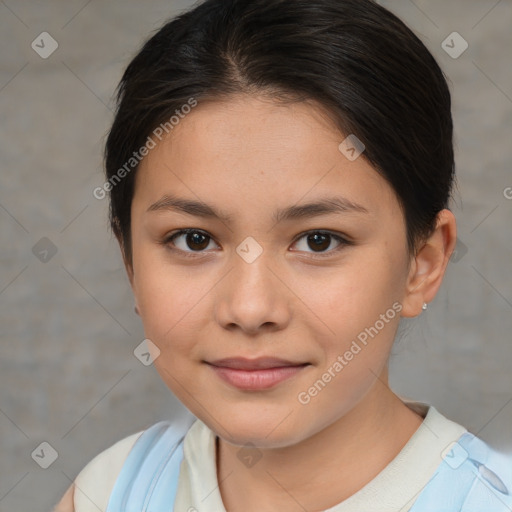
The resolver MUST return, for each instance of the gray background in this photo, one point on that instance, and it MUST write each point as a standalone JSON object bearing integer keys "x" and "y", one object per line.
{"x": 68, "y": 330}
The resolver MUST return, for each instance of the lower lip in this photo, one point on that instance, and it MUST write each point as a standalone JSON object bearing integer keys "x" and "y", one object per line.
{"x": 256, "y": 379}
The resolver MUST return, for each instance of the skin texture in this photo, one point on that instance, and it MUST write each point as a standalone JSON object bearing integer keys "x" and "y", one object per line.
{"x": 66, "y": 502}
{"x": 248, "y": 157}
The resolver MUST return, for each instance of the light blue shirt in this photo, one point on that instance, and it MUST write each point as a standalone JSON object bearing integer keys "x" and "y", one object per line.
{"x": 472, "y": 477}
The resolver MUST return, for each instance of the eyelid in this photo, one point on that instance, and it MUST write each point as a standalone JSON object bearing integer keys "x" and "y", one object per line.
{"x": 342, "y": 239}
{"x": 184, "y": 231}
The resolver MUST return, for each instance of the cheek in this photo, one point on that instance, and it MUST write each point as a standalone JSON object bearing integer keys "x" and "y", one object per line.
{"x": 357, "y": 311}
{"x": 352, "y": 296}
{"x": 169, "y": 298}
{"x": 352, "y": 356}
{"x": 173, "y": 315}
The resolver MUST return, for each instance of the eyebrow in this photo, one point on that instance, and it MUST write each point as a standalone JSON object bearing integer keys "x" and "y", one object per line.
{"x": 323, "y": 206}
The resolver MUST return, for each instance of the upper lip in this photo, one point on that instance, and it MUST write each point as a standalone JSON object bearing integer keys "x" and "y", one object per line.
{"x": 260, "y": 363}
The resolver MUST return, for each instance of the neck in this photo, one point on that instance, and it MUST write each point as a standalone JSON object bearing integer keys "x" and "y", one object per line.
{"x": 325, "y": 469}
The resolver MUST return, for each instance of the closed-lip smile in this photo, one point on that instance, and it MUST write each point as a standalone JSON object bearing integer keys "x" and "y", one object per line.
{"x": 260, "y": 363}
{"x": 255, "y": 374}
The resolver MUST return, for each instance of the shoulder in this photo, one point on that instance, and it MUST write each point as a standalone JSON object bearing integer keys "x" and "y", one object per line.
{"x": 66, "y": 502}
{"x": 472, "y": 477}
{"x": 95, "y": 482}
{"x": 492, "y": 474}
{"x": 114, "y": 468}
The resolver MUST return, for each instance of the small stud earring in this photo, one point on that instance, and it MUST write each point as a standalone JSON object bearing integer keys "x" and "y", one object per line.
{"x": 136, "y": 309}
{"x": 425, "y": 305}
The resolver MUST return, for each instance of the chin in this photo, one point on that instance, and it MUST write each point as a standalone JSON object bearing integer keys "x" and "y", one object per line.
{"x": 263, "y": 430}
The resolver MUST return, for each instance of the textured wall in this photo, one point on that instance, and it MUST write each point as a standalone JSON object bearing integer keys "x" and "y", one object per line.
{"x": 67, "y": 371}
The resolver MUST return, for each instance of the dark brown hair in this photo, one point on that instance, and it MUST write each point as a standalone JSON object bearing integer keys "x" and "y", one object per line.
{"x": 353, "y": 57}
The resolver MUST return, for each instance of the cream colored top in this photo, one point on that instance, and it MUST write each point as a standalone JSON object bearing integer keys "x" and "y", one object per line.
{"x": 394, "y": 489}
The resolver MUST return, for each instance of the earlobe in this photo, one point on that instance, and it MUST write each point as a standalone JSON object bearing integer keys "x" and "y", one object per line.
{"x": 429, "y": 265}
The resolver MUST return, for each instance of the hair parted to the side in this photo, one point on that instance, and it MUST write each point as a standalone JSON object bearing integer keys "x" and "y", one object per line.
{"x": 354, "y": 58}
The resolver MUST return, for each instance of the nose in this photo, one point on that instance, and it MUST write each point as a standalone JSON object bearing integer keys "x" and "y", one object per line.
{"x": 253, "y": 298}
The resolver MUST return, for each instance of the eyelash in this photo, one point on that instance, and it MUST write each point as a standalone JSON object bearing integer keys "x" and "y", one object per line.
{"x": 195, "y": 254}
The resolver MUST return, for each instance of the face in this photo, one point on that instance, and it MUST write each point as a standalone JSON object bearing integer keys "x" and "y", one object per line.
{"x": 317, "y": 289}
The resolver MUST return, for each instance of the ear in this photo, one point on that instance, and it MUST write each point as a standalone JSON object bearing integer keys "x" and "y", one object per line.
{"x": 127, "y": 265}
{"x": 429, "y": 265}
{"x": 129, "y": 271}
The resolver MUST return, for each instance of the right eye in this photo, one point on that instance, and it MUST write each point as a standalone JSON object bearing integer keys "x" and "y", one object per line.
{"x": 194, "y": 239}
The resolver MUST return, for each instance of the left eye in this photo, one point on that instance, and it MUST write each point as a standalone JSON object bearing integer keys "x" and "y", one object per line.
{"x": 320, "y": 241}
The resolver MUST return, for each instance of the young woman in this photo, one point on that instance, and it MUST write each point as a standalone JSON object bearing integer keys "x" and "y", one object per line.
{"x": 279, "y": 175}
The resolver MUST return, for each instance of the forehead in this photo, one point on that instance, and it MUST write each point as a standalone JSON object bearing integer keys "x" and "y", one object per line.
{"x": 249, "y": 150}
{"x": 260, "y": 129}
